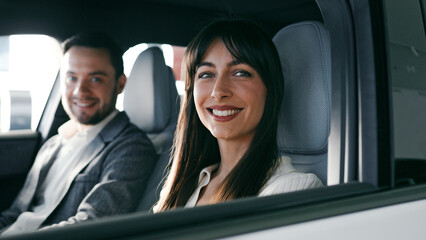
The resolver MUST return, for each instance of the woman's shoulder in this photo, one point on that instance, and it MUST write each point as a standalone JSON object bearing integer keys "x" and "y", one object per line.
{"x": 290, "y": 182}
{"x": 287, "y": 179}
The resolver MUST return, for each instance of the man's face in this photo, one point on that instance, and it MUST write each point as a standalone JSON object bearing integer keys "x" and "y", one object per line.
{"x": 88, "y": 84}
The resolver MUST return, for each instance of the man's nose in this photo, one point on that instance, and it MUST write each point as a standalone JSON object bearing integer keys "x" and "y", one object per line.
{"x": 221, "y": 88}
{"x": 81, "y": 86}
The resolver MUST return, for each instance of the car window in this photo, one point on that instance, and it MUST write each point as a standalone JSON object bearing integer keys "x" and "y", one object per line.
{"x": 172, "y": 56}
{"x": 28, "y": 68}
{"x": 423, "y": 5}
{"x": 407, "y": 59}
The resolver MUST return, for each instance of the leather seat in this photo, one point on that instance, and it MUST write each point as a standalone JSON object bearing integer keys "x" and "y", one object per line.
{"x": 152, "y": 103}
{"x": 304, "y": 122}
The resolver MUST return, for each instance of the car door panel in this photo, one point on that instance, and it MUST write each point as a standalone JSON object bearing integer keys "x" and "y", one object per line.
{"x": 17, "y": 152}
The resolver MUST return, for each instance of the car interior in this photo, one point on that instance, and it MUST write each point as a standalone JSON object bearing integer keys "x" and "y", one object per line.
{"x": 150, "y": 97}
{"x": 327, "y": 125}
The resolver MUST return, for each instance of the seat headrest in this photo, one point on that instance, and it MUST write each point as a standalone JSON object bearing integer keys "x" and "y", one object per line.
{"x": 150, "y": 97}
{"x": 304, "y": 120}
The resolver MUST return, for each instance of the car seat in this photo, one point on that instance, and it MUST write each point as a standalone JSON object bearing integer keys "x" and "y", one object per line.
{"x": 304, "y": 121}
{"x": 152, "y": 103}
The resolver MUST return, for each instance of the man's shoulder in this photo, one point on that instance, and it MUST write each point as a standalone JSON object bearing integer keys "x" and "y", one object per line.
{"x": 121, "y": 126}
{"x": 124, "y": 133}
{"x": 123, "y": 138}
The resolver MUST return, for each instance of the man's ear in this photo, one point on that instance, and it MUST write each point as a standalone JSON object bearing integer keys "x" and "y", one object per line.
{"x": 121, "y": 83}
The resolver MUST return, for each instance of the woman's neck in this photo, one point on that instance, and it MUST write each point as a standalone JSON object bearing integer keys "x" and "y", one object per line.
{"x": 230, "y": 154}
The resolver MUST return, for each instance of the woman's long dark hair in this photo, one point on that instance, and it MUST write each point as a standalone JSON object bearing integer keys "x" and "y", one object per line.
{"x": 196, "y": 148}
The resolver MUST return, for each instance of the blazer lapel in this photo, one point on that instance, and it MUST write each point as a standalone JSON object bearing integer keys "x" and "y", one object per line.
{"x": 87, "y": 155}
{"x": 47, "y": 155}
{"x": 48, "y": 158}
{"x": 107, "y": 134}
{"x": 91, "y": 152}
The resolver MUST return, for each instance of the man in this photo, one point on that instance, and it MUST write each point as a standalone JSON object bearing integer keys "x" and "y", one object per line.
{"x": 99, "y": 163}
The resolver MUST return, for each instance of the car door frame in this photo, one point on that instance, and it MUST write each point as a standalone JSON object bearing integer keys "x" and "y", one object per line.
{"x": 18, "y": 148}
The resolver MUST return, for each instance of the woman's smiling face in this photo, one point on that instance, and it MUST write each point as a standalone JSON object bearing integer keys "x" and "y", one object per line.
{"x": 229, "y": 95}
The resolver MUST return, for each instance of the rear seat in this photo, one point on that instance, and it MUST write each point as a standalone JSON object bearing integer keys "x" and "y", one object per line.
{"x": 152, "y": 103}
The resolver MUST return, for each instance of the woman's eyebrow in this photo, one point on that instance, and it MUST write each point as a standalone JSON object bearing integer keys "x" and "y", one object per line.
{"x": 208, "y": 64}
{"x": 234, "y": 63}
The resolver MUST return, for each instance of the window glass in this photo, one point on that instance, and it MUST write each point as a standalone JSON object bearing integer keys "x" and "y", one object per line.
{"x": 407, "y": 58}
{"x": 28, "y": 68}
{"x": 423, "y": 5}
{"x": 172, "y": 56}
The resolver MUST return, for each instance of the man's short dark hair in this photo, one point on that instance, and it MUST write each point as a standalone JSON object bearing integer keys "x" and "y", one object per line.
{"x": 98, "y": 40}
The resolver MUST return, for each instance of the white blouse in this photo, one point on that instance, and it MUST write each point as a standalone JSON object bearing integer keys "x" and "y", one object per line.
{"x": 285, "y": 179}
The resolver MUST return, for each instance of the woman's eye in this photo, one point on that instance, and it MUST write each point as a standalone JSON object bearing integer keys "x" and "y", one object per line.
{"x": 205, "y": 75}
{"x": 242, "y": 74}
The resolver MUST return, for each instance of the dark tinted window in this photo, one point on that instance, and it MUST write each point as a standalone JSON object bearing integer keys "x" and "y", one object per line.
{"x": 407, "y": 58}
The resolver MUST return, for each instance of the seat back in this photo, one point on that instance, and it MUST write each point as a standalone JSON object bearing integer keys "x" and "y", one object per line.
{"x": 152, "y": 103}
{"x": 304, "y": 121}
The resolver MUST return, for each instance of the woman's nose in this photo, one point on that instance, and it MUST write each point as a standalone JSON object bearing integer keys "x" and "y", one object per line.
{"x": 221, "y": 88}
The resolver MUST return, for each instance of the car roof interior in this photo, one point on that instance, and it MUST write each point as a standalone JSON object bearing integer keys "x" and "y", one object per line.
{"x": 131, "y": 22}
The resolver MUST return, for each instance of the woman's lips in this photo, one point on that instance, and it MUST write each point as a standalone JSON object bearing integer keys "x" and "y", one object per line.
{"x": 224, "y": 113}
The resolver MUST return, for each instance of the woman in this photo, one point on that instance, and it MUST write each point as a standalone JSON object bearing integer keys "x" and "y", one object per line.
{"x": 225, "y": 144}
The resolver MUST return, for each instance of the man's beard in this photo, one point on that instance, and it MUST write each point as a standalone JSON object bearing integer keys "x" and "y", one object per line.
{"x": 99, "y": 115}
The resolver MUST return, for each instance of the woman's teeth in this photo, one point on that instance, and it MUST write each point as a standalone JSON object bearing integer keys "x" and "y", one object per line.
{"x": 225, "y": 112}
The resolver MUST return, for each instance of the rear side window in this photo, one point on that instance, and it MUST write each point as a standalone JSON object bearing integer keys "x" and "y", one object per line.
{"x": 173, "y": 58}
{"x": 407, "y": 58}
{"x": 28, "y": 68}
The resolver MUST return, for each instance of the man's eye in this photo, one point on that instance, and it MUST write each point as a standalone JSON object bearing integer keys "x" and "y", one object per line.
{"x": 96, "y": 79}
{"x": 242, "y": 74}
{"x": 71, "y": 79}
{"x": 205, "y": 75}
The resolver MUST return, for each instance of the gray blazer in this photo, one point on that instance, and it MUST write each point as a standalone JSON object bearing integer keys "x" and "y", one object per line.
{"x": 117, "y": 165}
